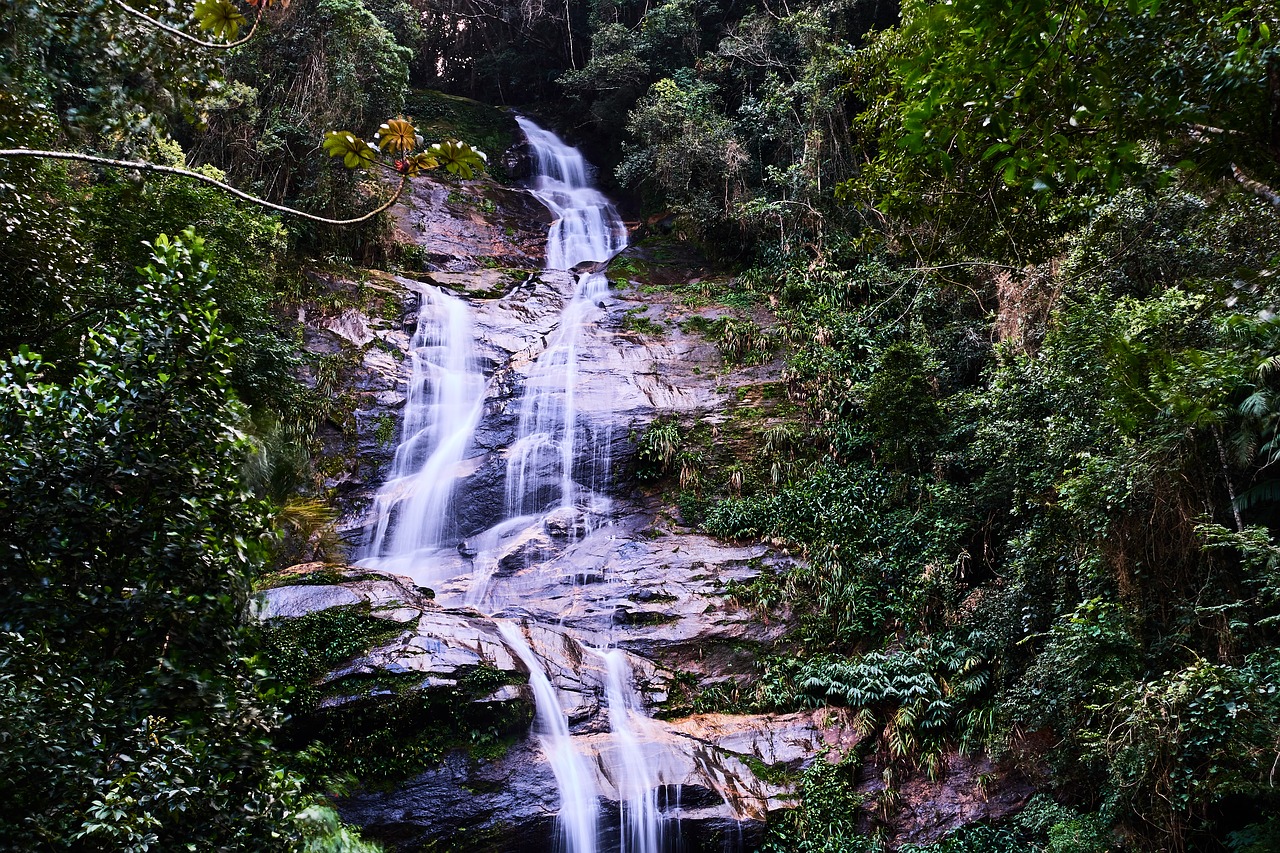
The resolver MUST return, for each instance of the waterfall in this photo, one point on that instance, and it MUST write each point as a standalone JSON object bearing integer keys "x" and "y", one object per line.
{"x": 641, "y": 822}
{"x": 550, "y": 462}
{"x": 578, "y": 818}
{"x": 586, "y": 228}
{"x": 443, "y": 406}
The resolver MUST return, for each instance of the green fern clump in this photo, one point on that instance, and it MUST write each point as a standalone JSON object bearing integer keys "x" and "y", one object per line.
{"x": 657, "y": 449}
{"x": 915, "y": 698}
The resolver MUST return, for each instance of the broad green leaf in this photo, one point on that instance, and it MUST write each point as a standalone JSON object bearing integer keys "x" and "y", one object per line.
{"x": 353, "y": 150}
{"x": 418, "y": 163}
{"x": 458, "y": 158}
{"x": 995, "y": 149}
{"x": 397, "y": 136}
{"x": 220, "y": 17}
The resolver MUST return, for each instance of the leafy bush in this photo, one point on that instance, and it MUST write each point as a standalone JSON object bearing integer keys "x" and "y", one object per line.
{"x": 657, "y": 449}
{"x": 132, "y": 720}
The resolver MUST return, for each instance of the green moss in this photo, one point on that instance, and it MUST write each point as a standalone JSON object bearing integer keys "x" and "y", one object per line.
{"x": 637, "y": 320}
{"x": 300, "y": 651}
{"x": 687, "y": 695}
{"x": 384, "y": 430}
{"x": 383, "y": 738}
{"x": 388, "y": 725}
{"x": 653, "y": 598}
{"x": 490, "y": 839}
{"x": 645, "y": 617}
{"x": 775, "y": 774}
{"x": 327, "y": 576}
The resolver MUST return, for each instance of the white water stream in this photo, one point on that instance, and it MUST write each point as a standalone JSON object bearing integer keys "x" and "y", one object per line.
{"x": 578, "y": 796}
{"x": 553, "y": 464}
{"x": 542, "y": 462}
{"x": 641, "y": 822}
{"x": 443, "y": 405}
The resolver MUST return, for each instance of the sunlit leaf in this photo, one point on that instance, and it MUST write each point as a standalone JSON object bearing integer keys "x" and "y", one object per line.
{"x": 416, "y": 164}
{"x": 353, "y": 150}
{"x": 220, "y": 17}
{"x": 459, "y": 158}
{"x": 397, "y": 136}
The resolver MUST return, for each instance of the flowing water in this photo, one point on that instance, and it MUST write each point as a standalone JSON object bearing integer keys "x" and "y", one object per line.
{"x": 442, "y": 408}
{"x": 641, "y": 822}
{"x": 578, "y": 797}
{"x": 548, "y": 451}
{"x": 556, "y": 463}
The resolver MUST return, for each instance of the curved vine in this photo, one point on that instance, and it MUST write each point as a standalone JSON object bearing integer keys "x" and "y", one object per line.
{"x": 143, "y": 166}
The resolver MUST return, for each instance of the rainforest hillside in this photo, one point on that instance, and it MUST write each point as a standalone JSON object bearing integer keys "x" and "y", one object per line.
{"x": 1005, "y": 272}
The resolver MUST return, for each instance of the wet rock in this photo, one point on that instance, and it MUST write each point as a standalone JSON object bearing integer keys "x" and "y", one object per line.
{"x": 528, "y": 548}
{"x": 971, "y": 789}
{"x": 565, "y": 523}
{"x": 458, "y": 225}
{"x": 517, "y": 161}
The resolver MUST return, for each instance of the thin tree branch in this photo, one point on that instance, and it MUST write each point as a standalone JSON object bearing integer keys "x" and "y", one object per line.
{"x": 1261, "y": 190}
{"x": 144, "y": 166}
{"x": 174, "y": 31}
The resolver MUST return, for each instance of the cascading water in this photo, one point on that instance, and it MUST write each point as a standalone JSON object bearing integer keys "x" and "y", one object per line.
{"x": 641, "y": 822}
{"x": 578, "y": 797}
{"x": 586, "y": 228}
{"x": 550, "y": 460}
{"x": 443, "y": 406}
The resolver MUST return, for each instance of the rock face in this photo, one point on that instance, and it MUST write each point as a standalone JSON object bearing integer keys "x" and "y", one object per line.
{"x": 460, "y": 225}
{"x": 613, "y": 573}
{"x": 705, "y": 763}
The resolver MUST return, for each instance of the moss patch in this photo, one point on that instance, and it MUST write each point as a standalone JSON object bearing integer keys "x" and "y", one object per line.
{"x": 390, "y": 728}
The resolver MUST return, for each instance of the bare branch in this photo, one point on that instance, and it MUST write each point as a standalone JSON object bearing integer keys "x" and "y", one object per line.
{"x": 1259, "y": 189}
{"x": 144, "y": 166}
{"x": 174, "y": 31}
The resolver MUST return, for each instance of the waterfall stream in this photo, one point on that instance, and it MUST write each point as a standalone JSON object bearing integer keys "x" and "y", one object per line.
{"x": 443, "y": 406}
{"x": 542, "y": 462}
{"x": 641, "y": 822}
{"x": 554, "y": 464}
{"x": 578, "y": 796}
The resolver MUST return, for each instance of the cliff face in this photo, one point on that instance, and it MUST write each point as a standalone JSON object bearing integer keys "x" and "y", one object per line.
{"x": 619, "y": 572}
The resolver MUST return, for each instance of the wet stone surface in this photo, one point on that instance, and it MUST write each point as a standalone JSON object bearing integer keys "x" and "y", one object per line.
{"x": 611, "y": 571}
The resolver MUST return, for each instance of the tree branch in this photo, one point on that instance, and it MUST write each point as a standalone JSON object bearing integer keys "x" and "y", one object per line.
{"x": 144, "y": 166}
{"x": 1259, "y": 189}
{"x": 174, "y": 31}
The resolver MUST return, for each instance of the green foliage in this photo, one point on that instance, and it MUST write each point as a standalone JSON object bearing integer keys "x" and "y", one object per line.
{"x": 385, "y": 726}
{"x": 89, "y": 70}
{"x": 638, "y": 320}
{"x": 1177, "y": 742}
{"x": 904, "y": 417}
{"x": 913, "y": 698}
{"x": 442, "y": 116}
{"x": 1062, "y": 500}
{"x": 1256, "y": 838}
{"x": 826, "y": 820}
{"x": 324, "y": 64}
{"x": 131, "y": 718}
{"x": 220, "y": 17}
{"x": 863, "y": 535}
{"x": 119, "y": 522}
{"x": 1053, "y": 97}
{"x": 657, "y": 449}
{"x": 301, "y": 650}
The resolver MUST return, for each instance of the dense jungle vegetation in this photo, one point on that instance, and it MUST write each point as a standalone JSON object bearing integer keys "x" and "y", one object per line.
{"x": 1021, "y": 259}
